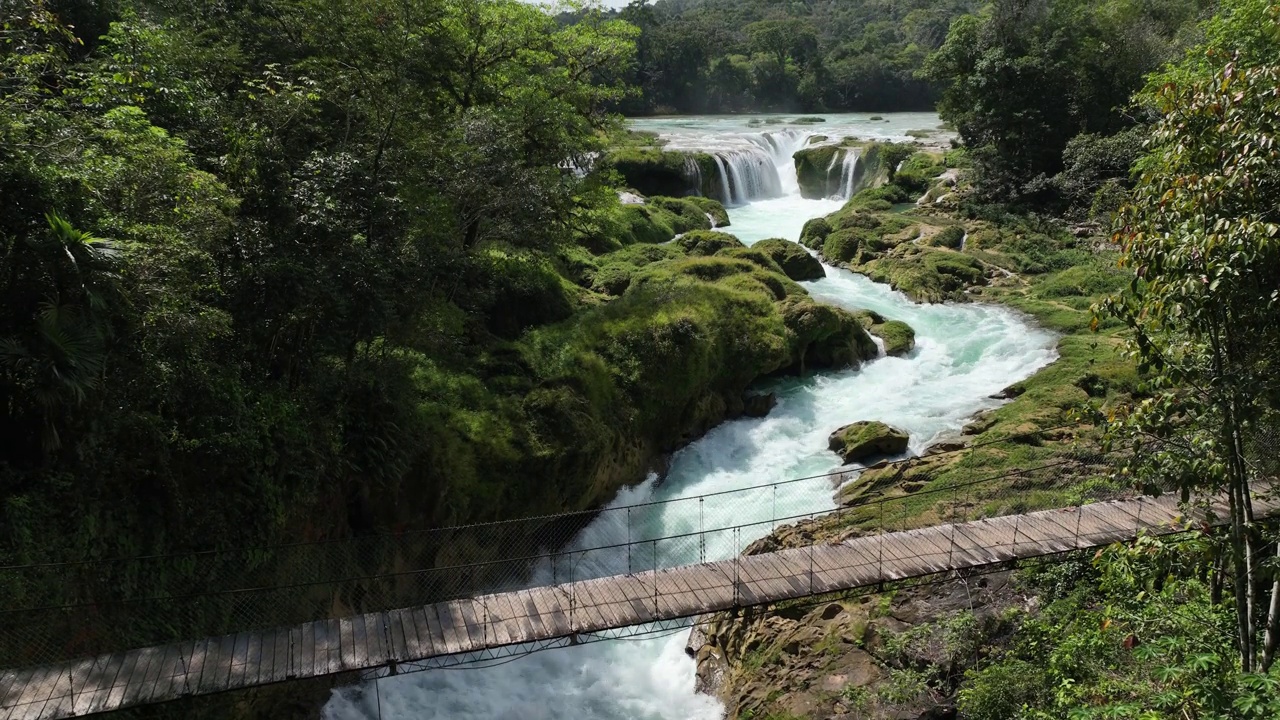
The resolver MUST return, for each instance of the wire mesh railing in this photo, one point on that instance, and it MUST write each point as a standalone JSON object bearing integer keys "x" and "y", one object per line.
{"x": 59, "y": 611}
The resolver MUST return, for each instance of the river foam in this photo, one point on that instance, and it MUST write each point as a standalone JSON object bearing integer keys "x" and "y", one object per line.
{"x": 964, "y": 354}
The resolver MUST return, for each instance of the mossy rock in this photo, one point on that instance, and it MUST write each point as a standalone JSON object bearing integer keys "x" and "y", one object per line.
{"x": 815, "y": 232}
{"x": 824, "y": 336}
{"x": 643, "y": 224}
{"x": 951, "y": 236}
{"x": 927, "y": 274}
{"x": 818, "y": 170}
{"x": 843, "y": 246}
{"x": 899, "y": 338}
{"x": 867, "y": 439}
{"x": 707, "y": 242}
{"x": 792, "y": 259}
{"x": 653, "y": 171}
{"x": 686, "y": 214}
{"x": 714, "y": 208}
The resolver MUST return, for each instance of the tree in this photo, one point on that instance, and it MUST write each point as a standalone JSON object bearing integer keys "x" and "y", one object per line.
{"x": 1202, "y": 235}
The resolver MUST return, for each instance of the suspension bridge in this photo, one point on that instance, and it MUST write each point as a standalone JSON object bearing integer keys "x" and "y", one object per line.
{"x": 654, "y": 577}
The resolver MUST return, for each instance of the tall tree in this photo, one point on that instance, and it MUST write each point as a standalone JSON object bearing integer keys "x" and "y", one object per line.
{"x": 1202, "y": 235}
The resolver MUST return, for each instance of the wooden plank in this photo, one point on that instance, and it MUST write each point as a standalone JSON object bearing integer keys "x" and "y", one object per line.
{"x": 426, "y": 641}
{"x": 39, "y": 688}
{"x": 399, "y": 651}
{"x": 516, "y": 625}
{"x": 464, "y": 609}
{"x": 63, "y": 701}
{"x": 347, "y": 649}
{"x": 8, "y": 679}
{"x": 532, "y": 616}
{"x": 582, "y": 616}
{"x": 26, "y": 690}
{"x": 294, "y": 661}
{"x": 253, "y": 660}
{"x": 376, "y": 631}
{"x": 439, "y": 639}
{"x": 81, "y": 673}
{"x": 304, "y": 655}
{"x": 144, "y": 676}
{"x": 46, "y": 696}
{"x": 332, "y": 647}
{"x": 492, "y": 613}
{"x": 554, "y": 621}
{"x": 127, "y": 671}
{"x": 167, "y": 668}
{"x": 455, "y": 638}
{"x": 360, "y": 639}
{"x": 280, "y": 656}
{"x": 217, "y": 667}
{"x": 208, "y": 659}
{"x": 239, "y": 660}
{"x": 102, "y": 689}
{"x": 267, "y": 658}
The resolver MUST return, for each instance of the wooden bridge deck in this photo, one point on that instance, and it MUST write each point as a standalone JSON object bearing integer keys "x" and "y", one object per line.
{"x": 363, "y": 642}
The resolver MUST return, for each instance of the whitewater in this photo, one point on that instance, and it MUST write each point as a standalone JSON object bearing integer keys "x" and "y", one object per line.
{"x": 964, "y": 354}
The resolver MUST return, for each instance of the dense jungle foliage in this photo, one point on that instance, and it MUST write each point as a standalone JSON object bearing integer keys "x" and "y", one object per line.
{"x": 722, "y": 56}
{"x": 301, "y": 269}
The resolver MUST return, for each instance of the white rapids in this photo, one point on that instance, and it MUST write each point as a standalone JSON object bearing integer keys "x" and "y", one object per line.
{"x": 964, "y": 353}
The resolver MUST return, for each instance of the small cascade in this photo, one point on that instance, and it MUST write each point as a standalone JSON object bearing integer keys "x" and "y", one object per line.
{"x": 726, "y": 189}
{"x": 849, "y": 173}
{"x": 693, "y": 174}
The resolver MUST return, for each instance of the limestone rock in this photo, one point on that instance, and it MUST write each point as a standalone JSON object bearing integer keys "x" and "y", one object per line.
{"x": 867, "y": 439}
{"x": 794, "y": 261}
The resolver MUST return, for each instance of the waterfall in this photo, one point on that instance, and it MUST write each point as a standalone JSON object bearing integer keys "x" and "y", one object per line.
{"x": 849, "y": 173}
{"x": 725, "y": 188}
{"x": 693, "y": 174}
{"x": 753, "y": 167}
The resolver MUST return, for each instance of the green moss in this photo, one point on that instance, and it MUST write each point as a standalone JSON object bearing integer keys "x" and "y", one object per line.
{"x": 823, "y": 336}
{"x": 707, "y": 242}
{"x": 862, "y": 440}
{"x": 653, "y": 171}
{"x": 817, "y": 170}
{"x": 926, "y": 274}
{"x": 843, "y": 246}
{"x": 899, "y": 338}
{"x": 688, "y": 213}
{"x": 641, "y": 224}
{"x": 815, "y": 232}
{"x": 951, "y": 236}
{"x": 794, "y": 262}
{"x": 713, "y": 208}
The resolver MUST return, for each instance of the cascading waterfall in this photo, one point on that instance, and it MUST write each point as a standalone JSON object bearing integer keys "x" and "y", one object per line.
{"x": 849, "y": 172}
{"x": 964, "y": 353}
{"x": 693, "y": 173}
{"x": 753, "y": 167}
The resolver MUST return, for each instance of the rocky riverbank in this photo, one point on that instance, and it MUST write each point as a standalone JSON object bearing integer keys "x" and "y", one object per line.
{"x": 902, "y": 654}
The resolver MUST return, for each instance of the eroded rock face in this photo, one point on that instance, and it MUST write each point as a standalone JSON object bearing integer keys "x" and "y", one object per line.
{"x": 862, "y": 440}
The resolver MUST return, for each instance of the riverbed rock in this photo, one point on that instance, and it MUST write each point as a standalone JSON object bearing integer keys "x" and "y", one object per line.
{"x": 757, "y": 406}
{"x": 794, "y": 261}
{"x": 899, "y": 338}
{"x": 867, "y": 439}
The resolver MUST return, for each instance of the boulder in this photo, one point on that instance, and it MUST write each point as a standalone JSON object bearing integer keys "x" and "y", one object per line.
{"x": 899, "y": 338}
{"x": 757, "y": 406}
{"x": 794, "y": 261}
{"x": 867, "y": 439}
